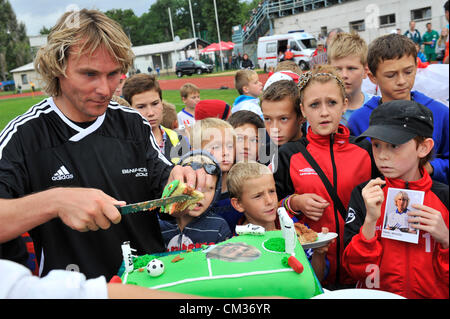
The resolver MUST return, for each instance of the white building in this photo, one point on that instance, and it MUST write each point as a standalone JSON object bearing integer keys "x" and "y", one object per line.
{"x": 37, "y": 41}
{"x": 371, "y": 18}
{"x": 166, "y": 54}
{"x": 25, "y": 75}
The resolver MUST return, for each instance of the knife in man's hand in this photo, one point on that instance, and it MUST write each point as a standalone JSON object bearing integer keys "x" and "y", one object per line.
{"x": 151, "y": 204}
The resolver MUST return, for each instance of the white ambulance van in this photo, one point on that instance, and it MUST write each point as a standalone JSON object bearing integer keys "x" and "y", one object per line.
{"x": 302, "y": 45}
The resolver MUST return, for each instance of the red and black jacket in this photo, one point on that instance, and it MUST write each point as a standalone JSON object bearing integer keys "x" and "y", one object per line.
{"x": 344, "y": 161}
{"x": 411, "y": 270}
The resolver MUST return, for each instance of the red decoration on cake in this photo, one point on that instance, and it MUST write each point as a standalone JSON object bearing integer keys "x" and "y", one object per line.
{"x": 295, "y": 264}
{"x": 115, "y": 280}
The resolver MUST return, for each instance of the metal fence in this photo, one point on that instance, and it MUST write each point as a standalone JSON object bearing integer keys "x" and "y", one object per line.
{"x": 260, "y": 21}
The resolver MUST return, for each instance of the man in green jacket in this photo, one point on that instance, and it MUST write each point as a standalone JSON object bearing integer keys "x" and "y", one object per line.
{"x": 429, "y": 40}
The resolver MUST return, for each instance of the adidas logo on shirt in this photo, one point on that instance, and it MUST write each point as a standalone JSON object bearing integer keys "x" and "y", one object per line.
{"x": 62, "y": 174}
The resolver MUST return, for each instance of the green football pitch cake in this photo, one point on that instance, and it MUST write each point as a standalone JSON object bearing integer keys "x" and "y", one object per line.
{"x": 253, "y": 264}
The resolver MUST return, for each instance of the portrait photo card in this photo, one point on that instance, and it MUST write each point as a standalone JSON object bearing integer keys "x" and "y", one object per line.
{"x": 395, "y": 224}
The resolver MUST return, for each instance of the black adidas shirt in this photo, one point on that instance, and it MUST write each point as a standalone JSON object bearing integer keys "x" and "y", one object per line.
{"x": 116, "y": 153}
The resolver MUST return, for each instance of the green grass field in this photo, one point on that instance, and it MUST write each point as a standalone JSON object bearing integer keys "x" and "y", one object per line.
{"x": 11, "y": 108}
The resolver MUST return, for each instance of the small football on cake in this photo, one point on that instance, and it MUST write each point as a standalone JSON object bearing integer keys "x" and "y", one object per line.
{"x": 176, "y": 188}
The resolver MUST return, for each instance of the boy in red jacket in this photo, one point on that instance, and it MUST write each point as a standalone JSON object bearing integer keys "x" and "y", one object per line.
{"x": 401, "y": 136}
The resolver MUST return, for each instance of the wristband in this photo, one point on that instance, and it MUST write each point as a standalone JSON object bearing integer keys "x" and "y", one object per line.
{"x": 287, "y": 205}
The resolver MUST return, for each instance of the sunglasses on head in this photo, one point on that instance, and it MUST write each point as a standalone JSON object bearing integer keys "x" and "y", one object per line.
{"x": 211, "y": 169}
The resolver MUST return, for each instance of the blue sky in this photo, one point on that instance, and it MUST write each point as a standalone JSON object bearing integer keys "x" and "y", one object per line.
{"x": 38, "y": 13}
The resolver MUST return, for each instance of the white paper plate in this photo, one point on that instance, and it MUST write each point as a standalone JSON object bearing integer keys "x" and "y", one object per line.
{"x": 357, "y": 294}
{"x": 322, "y": 240}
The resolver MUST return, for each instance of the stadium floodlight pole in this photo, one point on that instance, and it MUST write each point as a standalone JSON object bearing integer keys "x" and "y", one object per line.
{"x": 171, "y": 25}
{"x": 171, "y": 29}
{"x": 193, "y": 29}
{"x": 218, "y": 34}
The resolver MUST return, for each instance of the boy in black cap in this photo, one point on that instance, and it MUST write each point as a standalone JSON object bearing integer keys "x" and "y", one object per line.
{"x": 401, "y": 136}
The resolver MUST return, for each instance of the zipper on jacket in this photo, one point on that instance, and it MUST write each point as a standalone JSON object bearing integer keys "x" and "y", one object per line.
{"x": 180, "y": 239}
{"x": 336, "y": 217}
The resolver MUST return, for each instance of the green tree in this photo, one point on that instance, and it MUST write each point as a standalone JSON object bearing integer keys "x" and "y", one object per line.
{"x": 44, "y": 30}
{"x": 14, "y": 44}
{"x": 246, "y": 10}
{"x": 229, "y": 14}
{"x": 154, "y": 25}
{"x": 129, "y": 22}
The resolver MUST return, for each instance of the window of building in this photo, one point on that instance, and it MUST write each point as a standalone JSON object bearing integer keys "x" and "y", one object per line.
{"x": 24, "y": 78}
{"x": 421, "y": 14}
{"x": 387, "y": 20}
{"x": 167, "y": 59}
{"x": 358, "y": 26}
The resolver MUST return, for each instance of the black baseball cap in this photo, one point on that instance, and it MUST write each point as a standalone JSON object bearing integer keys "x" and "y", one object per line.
{"x": 399, "y": 121}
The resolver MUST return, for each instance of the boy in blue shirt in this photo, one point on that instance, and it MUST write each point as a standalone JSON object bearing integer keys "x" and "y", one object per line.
{"x": 392, "y": 61}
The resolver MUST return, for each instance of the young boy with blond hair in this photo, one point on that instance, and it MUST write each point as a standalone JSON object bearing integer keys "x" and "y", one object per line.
{"x": 199, "y": 225}
{"x": 253, "y": 193}
{"x": 348, "y": 54}
{"x": 190, "y": 95}
{"x": 170, "y": 118}
{"x": 217, "y": 137}
{"x": 401, "y": 135}
{"x": 250, "y": 88}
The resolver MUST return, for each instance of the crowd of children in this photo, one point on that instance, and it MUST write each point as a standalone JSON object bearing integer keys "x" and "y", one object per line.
{"x": 322, "y": 173}
{"x": 328, "y": 152}
{"x": 294, "y": 143}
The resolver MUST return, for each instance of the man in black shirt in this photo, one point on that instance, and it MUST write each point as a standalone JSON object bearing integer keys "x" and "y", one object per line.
{"x": 76, "y": 154}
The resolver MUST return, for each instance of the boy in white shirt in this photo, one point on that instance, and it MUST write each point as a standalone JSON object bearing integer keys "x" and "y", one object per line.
{"x": 190, "y": 95}
{"x": 250, "y": 88}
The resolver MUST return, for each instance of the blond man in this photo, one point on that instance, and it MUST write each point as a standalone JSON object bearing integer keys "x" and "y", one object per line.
{"x": 77, "y": 155}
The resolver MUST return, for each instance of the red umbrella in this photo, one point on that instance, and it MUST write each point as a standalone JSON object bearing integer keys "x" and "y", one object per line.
{"x": 210, "y": 48}
{"x": 231, "y": 44}
{"x": 213, "y": 47}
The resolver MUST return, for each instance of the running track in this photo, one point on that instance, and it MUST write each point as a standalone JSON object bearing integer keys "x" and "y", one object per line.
{"x": 11, "y": 96}
{"x": 207, "y": 82}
